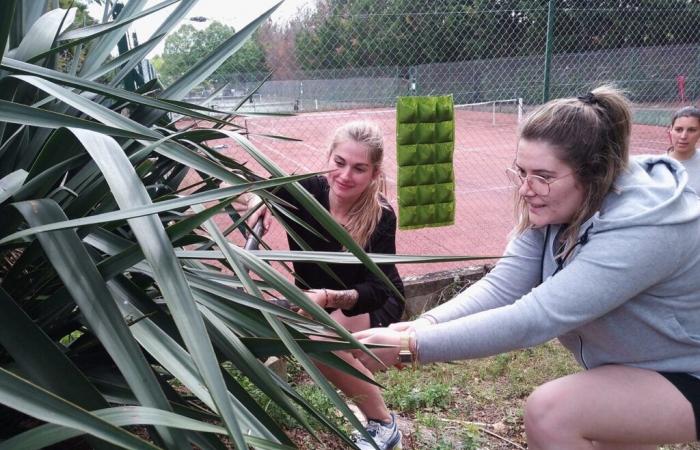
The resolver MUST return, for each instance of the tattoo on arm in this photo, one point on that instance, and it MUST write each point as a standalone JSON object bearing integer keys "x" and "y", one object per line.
{"x": 343, "y": 299}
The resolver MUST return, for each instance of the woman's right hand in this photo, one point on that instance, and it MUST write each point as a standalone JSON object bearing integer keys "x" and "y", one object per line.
{"x": 420, "y": 322}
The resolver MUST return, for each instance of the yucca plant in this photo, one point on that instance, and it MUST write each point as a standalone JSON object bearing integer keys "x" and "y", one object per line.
{"x": 112, "y": 312}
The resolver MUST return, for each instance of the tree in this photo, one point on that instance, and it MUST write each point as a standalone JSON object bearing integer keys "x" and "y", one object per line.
{"x": 365, "y": 33}
{"x": 279, "y": 43}
{"x": 188, "y": 45}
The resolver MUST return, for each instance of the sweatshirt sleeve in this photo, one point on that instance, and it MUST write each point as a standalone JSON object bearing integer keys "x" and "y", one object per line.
{"x": 372, "y": 291}
{"x": 610, "y": 269}
{"x": 513, "y": 276}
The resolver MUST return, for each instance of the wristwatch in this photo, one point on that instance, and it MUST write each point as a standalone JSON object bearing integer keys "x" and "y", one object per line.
{"x": 406, "y": 356}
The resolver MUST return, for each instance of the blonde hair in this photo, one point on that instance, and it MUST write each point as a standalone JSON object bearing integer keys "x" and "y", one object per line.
{"x": 365, "y": 213}
{"x": 591, "y": 134}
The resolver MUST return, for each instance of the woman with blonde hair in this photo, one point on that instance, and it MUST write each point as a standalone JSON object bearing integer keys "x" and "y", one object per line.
{"x": 352, "y": 193}
{"x": 605, "y": 257}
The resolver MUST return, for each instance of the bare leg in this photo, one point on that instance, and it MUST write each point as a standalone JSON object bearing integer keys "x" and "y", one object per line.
{"x": 351, "y": 323}
{"x": 610, "y": 407}
{"x": 366, "y": 396}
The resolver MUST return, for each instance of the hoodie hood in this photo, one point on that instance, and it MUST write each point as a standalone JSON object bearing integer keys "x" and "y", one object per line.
{"x": 651, "y": 191}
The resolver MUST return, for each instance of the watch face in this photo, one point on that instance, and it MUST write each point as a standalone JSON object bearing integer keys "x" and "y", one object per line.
{"x": 405, "y": 357}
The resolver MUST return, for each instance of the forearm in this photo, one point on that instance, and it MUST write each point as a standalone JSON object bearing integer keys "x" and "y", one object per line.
{"x": 480, "y": 335}
{"x": 345, "y": 299}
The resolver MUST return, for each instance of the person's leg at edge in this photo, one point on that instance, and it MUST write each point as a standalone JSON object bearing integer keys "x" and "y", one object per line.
{"x": 366, "y": 396}
{"x": 609, "y": 407}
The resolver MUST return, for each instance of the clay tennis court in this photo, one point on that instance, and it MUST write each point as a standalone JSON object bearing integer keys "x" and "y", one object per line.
{"x": 484, "y": 148}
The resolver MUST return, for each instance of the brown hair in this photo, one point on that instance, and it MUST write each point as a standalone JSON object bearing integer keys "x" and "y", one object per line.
{"x": 688, "y": 111}
{"x": 365, "y": 213}
{"x": 591, "y": 134}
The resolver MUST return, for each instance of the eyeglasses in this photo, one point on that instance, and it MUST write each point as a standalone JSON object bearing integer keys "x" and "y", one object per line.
{"x": 538, "y": 184}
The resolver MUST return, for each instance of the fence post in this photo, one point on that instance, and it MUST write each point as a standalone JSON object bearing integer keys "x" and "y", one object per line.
{"x": 551, "y": 16}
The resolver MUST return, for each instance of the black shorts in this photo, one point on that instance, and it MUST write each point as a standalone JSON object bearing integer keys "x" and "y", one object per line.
{"x": 386, "y": 315}
{"x": 690, "y": 388}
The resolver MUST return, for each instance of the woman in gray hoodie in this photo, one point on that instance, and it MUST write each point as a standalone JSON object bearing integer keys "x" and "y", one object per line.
{"x": 606, "y": 257}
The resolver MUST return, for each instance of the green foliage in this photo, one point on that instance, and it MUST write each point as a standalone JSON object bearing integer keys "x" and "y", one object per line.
{"x": 413, "y": 392}
{"x": 366, "y": 33}
{"x": 188, "y": 45}
{"x": 122, "y": 332}
{"x": 314, "y": 395}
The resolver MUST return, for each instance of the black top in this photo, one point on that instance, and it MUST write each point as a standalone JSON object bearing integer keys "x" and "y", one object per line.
{"x": 373, "y": 292}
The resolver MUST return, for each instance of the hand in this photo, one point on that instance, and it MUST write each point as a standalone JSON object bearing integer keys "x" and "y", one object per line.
{"x": 318, "y": 296}
{"x": 388, "y": 356}
{"x": 421, "y": 322}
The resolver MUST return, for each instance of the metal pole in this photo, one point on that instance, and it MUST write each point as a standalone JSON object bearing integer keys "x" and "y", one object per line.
{"x": 520, "y": 109}
{"x": 551, "y": 16}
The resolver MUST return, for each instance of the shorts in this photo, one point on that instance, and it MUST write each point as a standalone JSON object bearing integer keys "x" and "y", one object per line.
{"x": 690, "y": 388}
{"x": 390, "y": 312}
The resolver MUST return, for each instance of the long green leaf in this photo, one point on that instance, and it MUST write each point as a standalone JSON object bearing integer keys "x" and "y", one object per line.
{"x": 26, "y": 13}
{"x": 128, "y": 191}
{"x": 153, "y": 208}
{"x": 237, "y": 257}
{"x": 121, "y": 416}
{"x": 126, "y": 60}
{"x": 43, "y": 32}
{"x": 332, "y": 257}
{"x": 102, "y": 47}
{"x": 320, "y": 381}
{"x": 92, "y": 31}
{"x": 127, "y": 256}
{"x": 27, "y": 115}
{"x": 231, "y": 345}
{"x": 7, "y": 12}
{"x": 169, "y": 149}
{"x": 180, "y": 364}
{"x": 245, "y": 361}
{"x": 200, "y": 71}
{"x": 46, "y": 365}
{"x": 165, "y": 27}
{"x": 10, "y": 184}
{"x": 79, "y": 274}
{"x": 83, "y": 84}
{"x": 32, "y": 400}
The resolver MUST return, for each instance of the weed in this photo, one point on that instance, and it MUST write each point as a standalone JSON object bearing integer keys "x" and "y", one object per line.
{"x": 413, "y": 392}
{"x": 311, "y": 393}
{"x": 471, "y": 437}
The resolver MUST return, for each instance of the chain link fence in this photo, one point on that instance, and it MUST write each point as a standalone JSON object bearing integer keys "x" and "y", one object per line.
{"x": 347, "y": 60}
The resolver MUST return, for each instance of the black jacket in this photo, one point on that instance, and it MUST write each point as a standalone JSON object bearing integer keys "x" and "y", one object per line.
{"x": 373, "y": 293}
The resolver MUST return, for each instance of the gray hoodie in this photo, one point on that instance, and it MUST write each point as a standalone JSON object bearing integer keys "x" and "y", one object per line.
{"x": 629, "y": 294}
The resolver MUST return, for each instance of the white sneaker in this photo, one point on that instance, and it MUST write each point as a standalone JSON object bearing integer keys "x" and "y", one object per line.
{"x": 385, "y": 436}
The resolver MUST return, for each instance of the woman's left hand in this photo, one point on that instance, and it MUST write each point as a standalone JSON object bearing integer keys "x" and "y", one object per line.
{"x": 388, "y": 356}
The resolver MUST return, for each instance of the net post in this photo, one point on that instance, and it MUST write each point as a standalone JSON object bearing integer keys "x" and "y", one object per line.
{"x": 493, "y": 120}
{"x": 520, "y": 109}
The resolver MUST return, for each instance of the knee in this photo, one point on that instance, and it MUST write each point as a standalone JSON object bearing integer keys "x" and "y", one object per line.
{"x": 545, "y": 414}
